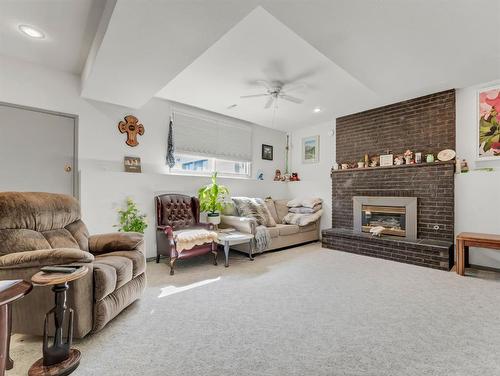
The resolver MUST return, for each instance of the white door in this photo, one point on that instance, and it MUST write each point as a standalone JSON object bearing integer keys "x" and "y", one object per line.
{"x": 37, "y": 151}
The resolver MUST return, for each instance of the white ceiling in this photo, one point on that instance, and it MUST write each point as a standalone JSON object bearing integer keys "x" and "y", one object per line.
{"x": 262, "y": 48}
{"x": 353, "y": 54}
{"x": 69, "y": 26}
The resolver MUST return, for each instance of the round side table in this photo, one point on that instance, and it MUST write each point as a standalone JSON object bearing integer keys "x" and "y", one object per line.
{"x": 10, "y": 291}
{"x": 59, "y": 359}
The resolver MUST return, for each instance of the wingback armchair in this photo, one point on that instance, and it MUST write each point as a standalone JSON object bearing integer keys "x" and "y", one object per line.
{"x": 39, "y": 229}
{"x": 176, "y": 213}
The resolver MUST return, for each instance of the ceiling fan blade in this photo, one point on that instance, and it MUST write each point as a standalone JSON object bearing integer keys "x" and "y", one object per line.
{"x": 293, "y": 87}
{"x": 266, "y": 84}
{"x": 254, "y": 95}
{"x": 291, "y": 99}
{"x": 269, "y": 102}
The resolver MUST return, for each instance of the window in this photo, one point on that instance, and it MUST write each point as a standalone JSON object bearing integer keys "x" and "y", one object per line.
{"x": 200, "y": 165}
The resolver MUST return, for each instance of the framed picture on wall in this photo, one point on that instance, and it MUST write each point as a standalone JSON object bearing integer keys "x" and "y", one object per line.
{"x": 310, "y": 149}
{"x": 488, "y": 123}
{"x": 267, "y": 152}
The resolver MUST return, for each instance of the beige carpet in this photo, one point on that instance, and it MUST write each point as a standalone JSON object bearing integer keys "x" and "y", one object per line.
{"x": 301, "y": 311}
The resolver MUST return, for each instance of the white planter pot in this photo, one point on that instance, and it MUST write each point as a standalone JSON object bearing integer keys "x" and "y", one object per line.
{"x": 213, "y": 218}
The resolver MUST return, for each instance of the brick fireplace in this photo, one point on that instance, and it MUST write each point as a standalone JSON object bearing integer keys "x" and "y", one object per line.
{"x": 383, "y": 195}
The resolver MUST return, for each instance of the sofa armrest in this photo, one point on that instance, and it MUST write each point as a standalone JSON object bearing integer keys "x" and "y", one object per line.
{"x": 117, "y": 241}
{"x": 44, "y": 257}
{"x": 242, "y": 224}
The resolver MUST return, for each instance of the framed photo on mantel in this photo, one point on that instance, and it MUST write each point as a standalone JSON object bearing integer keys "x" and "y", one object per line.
{"x": 488, "y": 123}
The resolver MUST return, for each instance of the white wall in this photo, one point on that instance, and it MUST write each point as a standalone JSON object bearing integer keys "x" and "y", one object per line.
{"x": 101, "y": 148}
{"x": 475, "y": 192}
{"x": 315, "y": 177}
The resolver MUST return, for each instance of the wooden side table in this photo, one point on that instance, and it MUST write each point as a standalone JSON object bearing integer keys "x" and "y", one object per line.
{"x": 10, "y": 291}
{"x": 473, "y": 239}
{"x": 59, "y": 359}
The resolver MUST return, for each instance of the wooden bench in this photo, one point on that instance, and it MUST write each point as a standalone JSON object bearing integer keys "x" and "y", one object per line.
{"x": 473, "y": 239}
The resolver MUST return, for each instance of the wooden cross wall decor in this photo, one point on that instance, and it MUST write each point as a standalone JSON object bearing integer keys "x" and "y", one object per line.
{"x": 132, "y": 127}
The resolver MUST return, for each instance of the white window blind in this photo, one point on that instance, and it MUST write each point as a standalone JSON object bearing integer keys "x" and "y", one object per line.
{"x": 202, "y": 135}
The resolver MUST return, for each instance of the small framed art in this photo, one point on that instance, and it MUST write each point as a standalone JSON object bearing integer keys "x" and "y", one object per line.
{"x": 267, "y": 152}
{"x": 310, "y": 149}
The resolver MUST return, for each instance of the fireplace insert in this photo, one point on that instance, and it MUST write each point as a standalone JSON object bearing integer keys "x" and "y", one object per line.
{"x": 398, "y": 215}
{"x": 392, "y": 218}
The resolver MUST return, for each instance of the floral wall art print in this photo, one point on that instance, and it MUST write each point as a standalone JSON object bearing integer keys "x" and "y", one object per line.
{"x": 489, "y": 123}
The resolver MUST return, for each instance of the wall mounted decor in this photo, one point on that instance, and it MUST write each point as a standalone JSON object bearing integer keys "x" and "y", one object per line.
{"x": 488, "y": 123}
{"x": 132, "y": 127}
{"x": 310, "y": 149}
{"x": 132, "y": 164}
{"x": 267, "y": 152}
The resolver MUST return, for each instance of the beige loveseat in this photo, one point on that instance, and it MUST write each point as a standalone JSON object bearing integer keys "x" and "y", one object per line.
{"x": 282, "y": 235}
{"x": 38, "y": 229}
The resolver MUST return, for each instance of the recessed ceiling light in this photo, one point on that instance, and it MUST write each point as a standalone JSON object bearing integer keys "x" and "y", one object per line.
{"x": 31, "y": 32}
{"x": 316, "y": 110}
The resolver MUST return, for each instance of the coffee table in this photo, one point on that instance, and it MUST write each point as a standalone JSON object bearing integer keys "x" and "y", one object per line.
{"x": 59, "y": 359}
{"x": 228, "y": 239}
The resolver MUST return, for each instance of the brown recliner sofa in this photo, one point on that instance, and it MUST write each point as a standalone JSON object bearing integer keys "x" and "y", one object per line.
{"x": 38, "y": 229}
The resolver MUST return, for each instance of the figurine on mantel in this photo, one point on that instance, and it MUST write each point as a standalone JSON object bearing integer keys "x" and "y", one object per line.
{"x": 398, "y": 160}
{"x": 374, "y": 161}
{"x": 408, "y": 155}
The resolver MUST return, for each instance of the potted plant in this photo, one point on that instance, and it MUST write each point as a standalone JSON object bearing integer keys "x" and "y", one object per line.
{"x": 212, "y": 198}
{"x": 131, "y": 220}
{"x": 361, "y": 163}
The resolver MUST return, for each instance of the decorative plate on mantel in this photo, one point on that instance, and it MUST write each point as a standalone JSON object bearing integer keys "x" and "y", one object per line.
{"x": 446, "y": 155}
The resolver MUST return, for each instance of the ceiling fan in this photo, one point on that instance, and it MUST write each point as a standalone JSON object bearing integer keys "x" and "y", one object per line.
{"x": 277, "y": 90}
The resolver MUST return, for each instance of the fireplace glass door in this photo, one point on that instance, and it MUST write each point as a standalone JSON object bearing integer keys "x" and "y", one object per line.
{"x": 392, "y": 218}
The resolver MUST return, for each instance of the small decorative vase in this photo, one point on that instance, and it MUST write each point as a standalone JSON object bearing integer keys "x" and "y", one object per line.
{"x": 213, "y": 218}
{"x": 430, "y": 158}
{"x": 361, "y": 164}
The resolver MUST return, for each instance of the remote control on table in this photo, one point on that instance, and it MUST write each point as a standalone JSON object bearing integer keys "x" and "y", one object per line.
{"x": 58, "y": 269}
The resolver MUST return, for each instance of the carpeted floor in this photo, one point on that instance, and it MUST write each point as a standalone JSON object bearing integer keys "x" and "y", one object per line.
{"x": 301, "y": 311}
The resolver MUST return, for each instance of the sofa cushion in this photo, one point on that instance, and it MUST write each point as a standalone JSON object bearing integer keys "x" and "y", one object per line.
{"x": 309, "y": 227}
{"x": 272, "y": 209}
{"x": 274, "y": 231}
{"x": 122, "y": 267}
{"x": 281, "y": 209}
{"x": 288, "y": 229}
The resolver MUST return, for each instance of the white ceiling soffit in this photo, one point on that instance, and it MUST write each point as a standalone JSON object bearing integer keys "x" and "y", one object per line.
{"x": 402, "y": 48}
{"x": 262, "y": 48}
{"x": 69, "y": 27}
{"x": 147, "y": 43}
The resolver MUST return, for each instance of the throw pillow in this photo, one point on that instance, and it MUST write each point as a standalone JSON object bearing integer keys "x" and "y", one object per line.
{"x": 311, "y": 202}
{"x": 304, "y": 210}
{"x": 230, "y": 209}
{"x": 254, "y": 208}
{"x": 294, "y": 203}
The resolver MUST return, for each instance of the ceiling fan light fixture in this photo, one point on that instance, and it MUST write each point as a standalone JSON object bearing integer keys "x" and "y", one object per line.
{"x": 31, "y": 32}
{"x": 317, "y": 110}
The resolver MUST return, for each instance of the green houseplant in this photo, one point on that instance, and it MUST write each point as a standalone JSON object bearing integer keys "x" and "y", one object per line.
{"x": 212, "y": 198}
{"x": 131, "y": 219}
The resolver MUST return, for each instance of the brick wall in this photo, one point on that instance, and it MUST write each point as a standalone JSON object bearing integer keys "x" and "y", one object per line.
{"x": 432, "y": 184}
{"x": 425, "y": 124}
